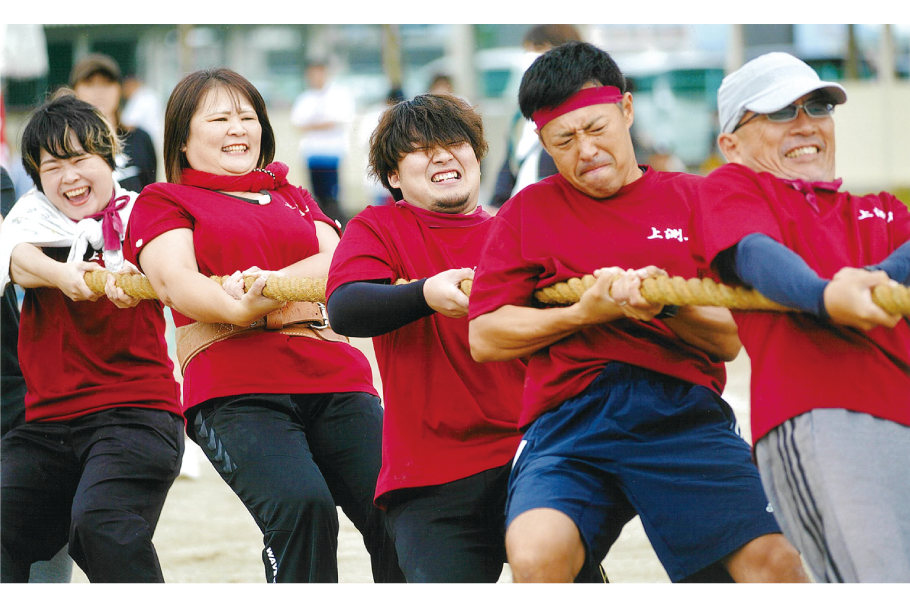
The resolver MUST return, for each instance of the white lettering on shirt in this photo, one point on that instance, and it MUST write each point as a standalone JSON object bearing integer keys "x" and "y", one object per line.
{"x": 668, "y": 234}
{"x": 296, "y": 208}
{"x": 876, "y": 212}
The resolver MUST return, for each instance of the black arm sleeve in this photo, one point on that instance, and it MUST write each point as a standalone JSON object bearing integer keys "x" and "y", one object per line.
{"x": 371, "y": 308}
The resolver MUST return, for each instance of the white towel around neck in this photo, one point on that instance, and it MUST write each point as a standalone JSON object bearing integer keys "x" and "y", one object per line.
{"x": 35, "y": 220}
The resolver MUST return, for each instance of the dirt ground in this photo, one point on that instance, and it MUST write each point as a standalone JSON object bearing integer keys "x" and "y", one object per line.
{"x": 205, "y": 535}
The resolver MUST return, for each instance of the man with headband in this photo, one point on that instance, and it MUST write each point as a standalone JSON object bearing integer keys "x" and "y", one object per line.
{"x": 622, "y": 405}
{"x": 831, "y": 386}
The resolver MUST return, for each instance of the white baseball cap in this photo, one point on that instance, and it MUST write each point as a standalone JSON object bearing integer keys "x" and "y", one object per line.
{"x": 766, "y": 84}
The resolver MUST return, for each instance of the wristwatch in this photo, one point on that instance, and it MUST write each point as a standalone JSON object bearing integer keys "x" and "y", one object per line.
{"x": 668, "y": 311}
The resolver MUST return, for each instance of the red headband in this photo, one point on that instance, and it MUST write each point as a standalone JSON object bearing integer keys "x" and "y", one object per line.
{"x": 583, "y": 98}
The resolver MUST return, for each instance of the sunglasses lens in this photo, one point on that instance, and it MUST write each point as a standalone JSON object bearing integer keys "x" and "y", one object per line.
{"x": 783, "y": 115}
{"x": 819, "y": 108}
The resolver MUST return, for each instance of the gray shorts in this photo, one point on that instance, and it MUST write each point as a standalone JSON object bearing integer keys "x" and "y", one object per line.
{"x": 840, "y": 487}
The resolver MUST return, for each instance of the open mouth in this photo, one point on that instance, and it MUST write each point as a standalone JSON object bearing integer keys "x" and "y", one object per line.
{"x": 237, "y": 148}
{"x": 446, "y": 176}
{"x": 78, "y": 196}
{"x": 805, "y": 150}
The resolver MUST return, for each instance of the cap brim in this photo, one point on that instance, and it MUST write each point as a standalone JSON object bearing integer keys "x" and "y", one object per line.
{"x": 781, "y": 97}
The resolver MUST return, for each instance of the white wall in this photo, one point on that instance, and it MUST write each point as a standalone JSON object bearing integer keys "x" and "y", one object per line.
{"x": 873, "y": 136}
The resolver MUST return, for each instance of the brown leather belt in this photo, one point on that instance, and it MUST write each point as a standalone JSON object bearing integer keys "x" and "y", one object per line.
{"x": 301, "y": 318}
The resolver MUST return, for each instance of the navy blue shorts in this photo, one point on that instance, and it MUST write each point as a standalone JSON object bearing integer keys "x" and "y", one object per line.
{"x": 640, "y": 442}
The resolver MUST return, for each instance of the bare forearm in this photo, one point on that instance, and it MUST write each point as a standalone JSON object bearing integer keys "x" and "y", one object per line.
{"x": 708, "y": 328}
{"x": 196, "y": 296}
{"x": 169, "y": 262}
{"x": 30, "y": 268}
{"x": 314, "y": 266}
{"x": 514, "y": 331}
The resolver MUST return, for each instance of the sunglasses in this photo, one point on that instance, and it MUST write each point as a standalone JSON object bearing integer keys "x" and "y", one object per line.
{"x": 816, "y": 108}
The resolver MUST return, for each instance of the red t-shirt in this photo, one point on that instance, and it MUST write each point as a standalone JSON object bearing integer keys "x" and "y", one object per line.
{"x": 230, "y": 234}
{"x": 446, "y": 416}
{"x": 800, "y": 362}
{"x": 550, "y": 232}
{"x": 81, "y": 357}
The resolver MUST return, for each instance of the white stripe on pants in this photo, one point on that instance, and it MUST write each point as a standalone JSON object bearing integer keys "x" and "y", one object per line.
{"x": 840, "y": 487}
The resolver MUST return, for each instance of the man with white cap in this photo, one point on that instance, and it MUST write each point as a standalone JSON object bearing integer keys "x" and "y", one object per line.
{"x": 830, "y": 385}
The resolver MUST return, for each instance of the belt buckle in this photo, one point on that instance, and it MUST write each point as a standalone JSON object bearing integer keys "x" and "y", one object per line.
{"x": 325, "y": 318}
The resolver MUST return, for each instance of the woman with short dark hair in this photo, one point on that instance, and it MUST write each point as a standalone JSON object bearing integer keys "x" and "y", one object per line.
{"x": 103, "y": 434}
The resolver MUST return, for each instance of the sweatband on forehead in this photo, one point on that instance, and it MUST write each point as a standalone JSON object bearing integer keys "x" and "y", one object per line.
{"x": 583, "y": 98}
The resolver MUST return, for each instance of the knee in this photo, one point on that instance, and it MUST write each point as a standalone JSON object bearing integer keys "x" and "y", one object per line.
{"x": 97, "y": 527}
{"x": 770, "y": 558}
{"x": 544, "y": 546}
{"x": 294, "y": 504}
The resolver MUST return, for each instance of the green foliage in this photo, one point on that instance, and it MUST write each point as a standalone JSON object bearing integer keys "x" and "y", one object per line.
{"x": 903, "y": 194}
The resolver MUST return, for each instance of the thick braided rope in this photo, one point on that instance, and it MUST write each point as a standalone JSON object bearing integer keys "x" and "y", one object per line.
{"x": 675, "y": 290}
{"x": 669, "y": 291}
{"x": 664, "y": 290}
{"x": 279, "y": 288}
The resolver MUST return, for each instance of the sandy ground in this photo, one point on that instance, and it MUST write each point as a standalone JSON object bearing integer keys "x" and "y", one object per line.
{"x": 205, "y": 535}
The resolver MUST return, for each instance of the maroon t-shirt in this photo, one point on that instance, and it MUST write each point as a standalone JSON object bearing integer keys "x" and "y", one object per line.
{"x": 81, "y": 357}
{"x": 550, "y": 232}
{"x": 230, "y": 234}
{"x": 800, "y": 362}
{"x": 446, "y": 416}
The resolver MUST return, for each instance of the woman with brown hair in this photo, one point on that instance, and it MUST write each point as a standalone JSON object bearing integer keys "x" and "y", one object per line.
{"x": 284, "y": 408}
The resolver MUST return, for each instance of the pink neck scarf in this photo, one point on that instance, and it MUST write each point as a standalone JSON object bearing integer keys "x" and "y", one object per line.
{"x": 808, "y": 188}
{"x": 111, "y": 224}
{"x": 271, "y": 177}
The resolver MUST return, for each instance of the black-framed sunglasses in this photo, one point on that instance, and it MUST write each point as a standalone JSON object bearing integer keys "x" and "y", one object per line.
{"x": 815, "y": 108}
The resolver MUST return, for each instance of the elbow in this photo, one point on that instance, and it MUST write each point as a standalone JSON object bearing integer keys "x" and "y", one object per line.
{"x": 165, "y": 298}
{"x": 482, "y": 347}
{"x": 480, "y": 353}
{"x": 345, "y": 317}
{"x": 730, "y": 354}
{"x": 728, "y": 347}
{"x": 162, "y": 292}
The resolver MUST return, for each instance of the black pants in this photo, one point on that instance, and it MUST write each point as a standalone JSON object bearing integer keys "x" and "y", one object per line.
{"x": 291, "y": 459}
{"x": 453, "y": 532}
{"x": 98, "y": 482}
{"x": 324, "y": 181}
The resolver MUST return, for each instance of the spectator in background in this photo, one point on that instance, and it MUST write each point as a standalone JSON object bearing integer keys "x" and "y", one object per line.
{"x": 142, "y": 109}
{"x": 526, "y": 160}
{"x": 322, "y": 113}
{"x": 441, "y": 85}
{"x": 360, "y": 138}
{"x": 96, "y": 79}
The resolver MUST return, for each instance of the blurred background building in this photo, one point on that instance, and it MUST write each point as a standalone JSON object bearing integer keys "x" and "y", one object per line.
{"x": 674, "y": 69}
